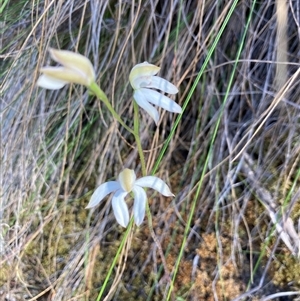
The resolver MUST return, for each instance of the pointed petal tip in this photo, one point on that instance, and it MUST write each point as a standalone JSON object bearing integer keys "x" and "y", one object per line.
{"x": 91, "y": 205}
{"x": 123, "y": 223}
{"x": 178, "y": 110}
{"x": 94, "y": 201}
{"x": 54, "y": 53}
{"x": 101, "y": 192}
{"x": 167, "y": 192}
{"x": 160, "y": 100}
{"x": 156, "y": 184}
{"x": 138, "y": 223}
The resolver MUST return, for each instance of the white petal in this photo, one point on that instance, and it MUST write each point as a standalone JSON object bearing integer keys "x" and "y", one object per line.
{"x": 162, "y": 85}
{"x": 120, "y": 208}
{"x": 141, "y": 100}
{"x": 161, "y": 100}
{"x": 50, "y": 83}
{"x": 139, "y": 206}
{"x": 101, "y": 192}
{"x": 156, "y": 184}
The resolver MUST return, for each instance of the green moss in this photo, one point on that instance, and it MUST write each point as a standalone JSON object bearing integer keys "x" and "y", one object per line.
{"x": 287, "y": 270}
{"x": 5, "y": 273}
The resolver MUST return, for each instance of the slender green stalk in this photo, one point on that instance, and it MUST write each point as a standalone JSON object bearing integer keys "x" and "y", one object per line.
{"x": 129, "y": 228}
{"x": 210, "y": 52}
{"x": 144, "y": 173}
{"x": 101, "y": 95}
{"x": 137, "y": 138}
{"x": 219, "y": 120}
{"x": 2, "y": 7}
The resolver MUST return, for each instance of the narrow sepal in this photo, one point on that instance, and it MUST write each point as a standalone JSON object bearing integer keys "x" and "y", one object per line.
{"x": 120, "y": 208}
{"x": 161, "y": 100}
{"x": 139, "y": 207}
{"x": 141, "y": 100}
{"x": 101, "y": 192}
{"x": 162, "y": 85}
{"x": 156, "y": 184}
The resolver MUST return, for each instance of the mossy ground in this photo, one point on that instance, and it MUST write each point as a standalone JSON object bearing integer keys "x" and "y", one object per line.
{"x": 57, "y": 146}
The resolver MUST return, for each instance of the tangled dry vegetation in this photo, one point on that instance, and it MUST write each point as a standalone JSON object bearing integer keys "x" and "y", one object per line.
{"x": 57, "y": 146}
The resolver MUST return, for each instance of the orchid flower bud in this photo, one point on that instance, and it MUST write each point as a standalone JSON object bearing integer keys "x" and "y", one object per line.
{"x": 75, "y": 68}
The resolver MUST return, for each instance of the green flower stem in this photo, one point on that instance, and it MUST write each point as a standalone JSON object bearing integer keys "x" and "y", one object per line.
{"x": 94, "y": 88}
{"x": 101, "y": 95}
{"x": 137, "y": 137}
{"x": 116, "y": 258}
{"x": 144, "y": 173}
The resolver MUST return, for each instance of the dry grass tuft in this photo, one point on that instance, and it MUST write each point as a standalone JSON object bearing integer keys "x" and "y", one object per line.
{"x": 57, "y": 146}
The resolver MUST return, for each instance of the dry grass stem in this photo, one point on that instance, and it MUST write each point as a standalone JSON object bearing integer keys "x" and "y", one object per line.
{"x": 58, "y": 146}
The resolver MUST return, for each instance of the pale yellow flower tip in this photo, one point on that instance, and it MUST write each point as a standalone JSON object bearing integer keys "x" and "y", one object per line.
{"x": 74, "y": 61}
{"x": 76, "y": 68}
{"x": 144, "y": 70}
{"x": 127, "y": 178}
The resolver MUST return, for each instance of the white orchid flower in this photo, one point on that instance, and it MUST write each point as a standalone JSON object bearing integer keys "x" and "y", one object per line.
{"x": 142, "y": 78}
{"x": 76, "y": 69}
{"x": 127, "y": 183}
